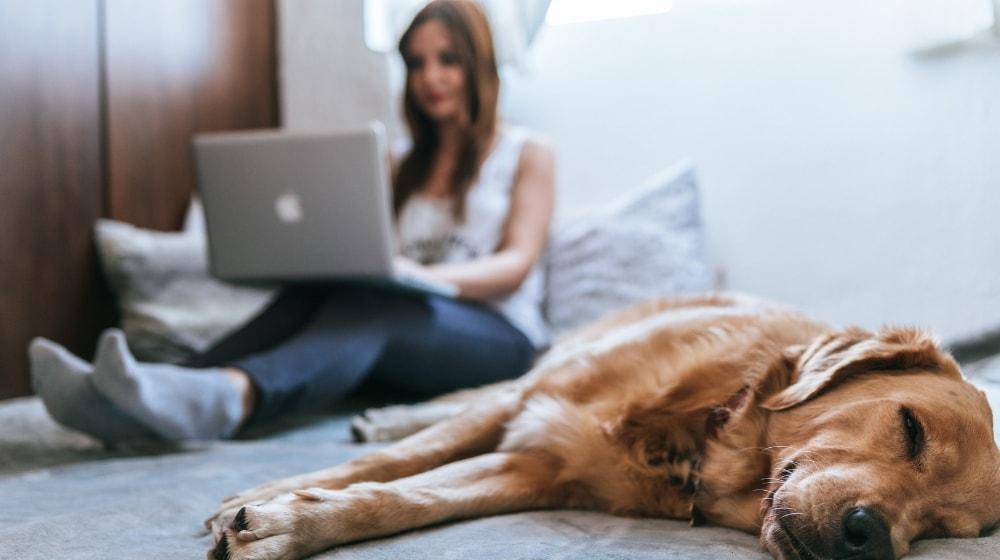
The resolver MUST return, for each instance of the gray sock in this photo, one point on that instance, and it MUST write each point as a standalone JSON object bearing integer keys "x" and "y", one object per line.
{"x": 178, "y": 403}
{"x": 63, "y": 382}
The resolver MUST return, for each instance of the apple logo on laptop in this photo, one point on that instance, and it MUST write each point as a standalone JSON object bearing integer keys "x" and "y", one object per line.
{"x": 289, "y": 208}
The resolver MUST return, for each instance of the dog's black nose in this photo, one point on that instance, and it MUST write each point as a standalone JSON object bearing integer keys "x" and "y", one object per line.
{"x": 864, "y": 535}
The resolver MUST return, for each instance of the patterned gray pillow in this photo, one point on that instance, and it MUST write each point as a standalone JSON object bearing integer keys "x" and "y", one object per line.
{"x": 648, "y": 243}
{"x": 170, "y": 306}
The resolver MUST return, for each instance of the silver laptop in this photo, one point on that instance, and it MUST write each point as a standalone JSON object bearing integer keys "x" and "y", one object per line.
{"x": 312, "y": 207}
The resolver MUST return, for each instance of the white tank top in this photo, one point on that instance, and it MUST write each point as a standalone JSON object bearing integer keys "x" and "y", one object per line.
{"x": 428, "y": 233}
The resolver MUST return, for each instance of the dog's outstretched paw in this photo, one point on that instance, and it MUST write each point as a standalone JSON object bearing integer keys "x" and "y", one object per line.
{"x": 274, "y": 530}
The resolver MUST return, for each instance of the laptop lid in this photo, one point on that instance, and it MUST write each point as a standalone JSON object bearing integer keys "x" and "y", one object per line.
{"x": 296, "y": 206}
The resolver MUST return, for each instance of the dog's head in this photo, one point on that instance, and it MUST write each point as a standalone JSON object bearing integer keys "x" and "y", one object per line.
{"x": 878, "y": 441}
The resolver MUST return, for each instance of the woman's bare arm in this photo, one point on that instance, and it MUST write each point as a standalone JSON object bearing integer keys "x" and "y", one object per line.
{"x": 525, "y": 233}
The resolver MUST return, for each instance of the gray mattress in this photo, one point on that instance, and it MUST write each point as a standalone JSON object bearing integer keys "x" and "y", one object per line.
{"x": 63, "y": 496}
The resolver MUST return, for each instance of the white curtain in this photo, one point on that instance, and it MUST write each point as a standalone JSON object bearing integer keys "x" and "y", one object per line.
{"x": 996, "y": 17}
{"x": 515, "y": 24}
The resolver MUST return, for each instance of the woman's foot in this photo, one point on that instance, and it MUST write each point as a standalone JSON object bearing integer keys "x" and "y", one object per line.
{"x": 176, "y": 402}
{"x": 64, "y": 383}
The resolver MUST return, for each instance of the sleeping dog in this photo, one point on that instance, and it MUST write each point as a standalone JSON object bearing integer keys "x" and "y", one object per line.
{"x": 723, "y": 409}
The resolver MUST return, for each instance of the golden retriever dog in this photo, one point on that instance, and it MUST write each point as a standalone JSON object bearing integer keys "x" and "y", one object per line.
{"x": 828, "y": 443}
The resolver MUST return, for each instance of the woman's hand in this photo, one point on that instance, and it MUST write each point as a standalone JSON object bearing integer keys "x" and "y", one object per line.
{"x": 408, "y": 267}
{"x": 412, "y": 269}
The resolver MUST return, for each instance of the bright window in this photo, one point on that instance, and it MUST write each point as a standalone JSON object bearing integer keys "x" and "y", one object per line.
{"x": 579, "y": 11}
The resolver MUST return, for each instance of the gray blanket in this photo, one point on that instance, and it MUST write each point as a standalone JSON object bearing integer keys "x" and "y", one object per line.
{"x": 63, "y": 496}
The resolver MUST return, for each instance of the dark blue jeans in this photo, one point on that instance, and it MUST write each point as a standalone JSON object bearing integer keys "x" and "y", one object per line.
{"x": 311, "y": 346}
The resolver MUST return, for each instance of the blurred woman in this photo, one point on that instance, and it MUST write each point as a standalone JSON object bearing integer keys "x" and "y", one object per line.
{"x": 473, "y": 199}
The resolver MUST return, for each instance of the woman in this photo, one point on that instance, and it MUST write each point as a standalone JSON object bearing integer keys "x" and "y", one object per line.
{"x": 473, "y": 201}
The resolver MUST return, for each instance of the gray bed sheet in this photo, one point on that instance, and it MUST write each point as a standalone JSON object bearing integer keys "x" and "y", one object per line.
{"x": 64, "y": 496}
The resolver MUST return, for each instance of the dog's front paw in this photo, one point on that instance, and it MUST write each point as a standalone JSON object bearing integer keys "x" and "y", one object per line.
{"x": 224, "y": 516}
{"x": 284, "y": 528}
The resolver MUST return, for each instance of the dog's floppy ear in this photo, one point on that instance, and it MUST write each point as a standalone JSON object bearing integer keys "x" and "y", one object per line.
{"x": 835, "y": 356}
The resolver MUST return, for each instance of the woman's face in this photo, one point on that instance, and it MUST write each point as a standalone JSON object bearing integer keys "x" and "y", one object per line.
{"x": 435, "y": 76}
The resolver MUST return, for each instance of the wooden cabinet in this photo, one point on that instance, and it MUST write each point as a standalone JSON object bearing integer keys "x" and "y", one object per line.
{"x": 98, "y": 101}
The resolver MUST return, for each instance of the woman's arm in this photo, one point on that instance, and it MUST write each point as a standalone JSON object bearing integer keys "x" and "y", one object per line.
{"x": 525, "y": 233}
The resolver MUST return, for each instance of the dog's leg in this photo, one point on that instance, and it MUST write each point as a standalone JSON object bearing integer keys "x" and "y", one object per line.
{"x": 393, "y": 423}
{"x": 478, "y": 429}
{"x": 307, "y": 521}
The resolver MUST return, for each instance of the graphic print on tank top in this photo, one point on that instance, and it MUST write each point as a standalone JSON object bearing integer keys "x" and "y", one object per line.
{"x": 428, "y": 233}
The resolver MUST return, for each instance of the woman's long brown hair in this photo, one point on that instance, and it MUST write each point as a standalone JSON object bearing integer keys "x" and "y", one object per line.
{"x": 473, "y": 45}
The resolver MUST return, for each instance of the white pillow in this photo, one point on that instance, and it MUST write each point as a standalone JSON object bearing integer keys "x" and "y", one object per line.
{"x": 647, "y": 243}
{"x": 170, "y": 306}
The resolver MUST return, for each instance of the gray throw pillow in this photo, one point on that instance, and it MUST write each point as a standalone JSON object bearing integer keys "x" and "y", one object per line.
{"x": 170, "y": 306}
{"x": 648, "y": 243}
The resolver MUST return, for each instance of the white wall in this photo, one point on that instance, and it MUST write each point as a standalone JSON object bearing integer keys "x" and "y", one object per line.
{"x": 840, "y": 172}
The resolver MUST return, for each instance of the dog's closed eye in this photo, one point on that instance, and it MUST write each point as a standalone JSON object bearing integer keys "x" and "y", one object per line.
{"x": 913, "y": 431}
{"x": 787, "y": 470}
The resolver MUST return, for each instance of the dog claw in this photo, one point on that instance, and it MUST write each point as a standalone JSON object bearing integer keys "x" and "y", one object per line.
{"x": 240, "y": 521}
{"x": 357, "y": 429}
{"x": 357, "y": 436}
{"x": 222, "y": 549}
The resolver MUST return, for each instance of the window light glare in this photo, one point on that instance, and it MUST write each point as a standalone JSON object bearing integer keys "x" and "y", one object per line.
{"x": 563, "y": 12}
{"x": 378, "y": 32}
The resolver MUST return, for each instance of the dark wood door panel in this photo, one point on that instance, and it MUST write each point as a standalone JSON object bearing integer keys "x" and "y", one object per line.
{"x": 50, "y": 180}
{"x": 174, "y": 68}
{"x": 98, "y": 100}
